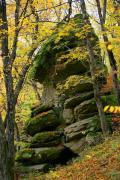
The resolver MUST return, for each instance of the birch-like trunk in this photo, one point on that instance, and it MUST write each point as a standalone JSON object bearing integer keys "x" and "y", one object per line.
{"x": 92, "y": 62}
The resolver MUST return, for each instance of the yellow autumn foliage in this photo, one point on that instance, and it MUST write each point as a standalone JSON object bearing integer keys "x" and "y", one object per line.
{"x": 112, "y": 109}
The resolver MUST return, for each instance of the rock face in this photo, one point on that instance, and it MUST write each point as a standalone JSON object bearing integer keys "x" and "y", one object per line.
{"x": 85, "y": 109}
{"x": 76, "y": 100}
{"x": 46, "y": 139}
{"x": 77, "y": 146}
{"x": 67, "y": 113}
{"x": 45, "y": 147}
{"x": 50, "y": 155}
{"x": 78, "y": 129}
{"x": 75, "y": 84}
{"x": 68, "y": 116}
{"x": 42, "y": 122}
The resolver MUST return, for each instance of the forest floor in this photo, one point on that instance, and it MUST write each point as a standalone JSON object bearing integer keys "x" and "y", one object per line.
{"x": 101, "y": 162}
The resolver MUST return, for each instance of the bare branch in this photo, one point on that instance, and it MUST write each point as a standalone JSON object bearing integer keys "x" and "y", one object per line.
{"x": 22, "y": 75}
{"x": 17, "y": 27}
{"x": 24, "y": 10}
{"x": 104, "y": 10}
{"x": 15, "y": 40}
{"x": 45, "y": 9}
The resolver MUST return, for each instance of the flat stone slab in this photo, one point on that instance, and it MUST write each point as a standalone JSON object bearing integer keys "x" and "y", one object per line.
{"x": 76, "y": 100}
{"x": 40, "y": 109}
{"x": 75, "y": 84}
{"x": 46, "y": 139}
{"x": 77, "y": 129}
{"x": 77, "y": 146}
{"x": 46, "y": 121}
{"x": 85, "y": 109}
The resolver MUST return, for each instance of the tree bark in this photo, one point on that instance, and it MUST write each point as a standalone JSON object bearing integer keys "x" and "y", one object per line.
{"x": 104, "y": 10}
{"x": 11, "y": 93}
{"x": 92, "y": 62}
{"x": 10, "y": 116}
{"x": 2, "y": 151}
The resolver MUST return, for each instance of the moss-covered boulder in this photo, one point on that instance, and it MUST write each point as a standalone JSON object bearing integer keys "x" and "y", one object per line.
{"x": 39, "y": 109}
{"x": 86, "y": 109}
{"x": 75, "y": 84}
{"x": 76, "y": 100}
{"x": 46, "y": 121}
{"x": 52, "y": 155}
{"x": 67, "y": 48}
{"x": 70, "y": 67}
{"x": 46, "y": 139}
{"x": 25, "y": 155}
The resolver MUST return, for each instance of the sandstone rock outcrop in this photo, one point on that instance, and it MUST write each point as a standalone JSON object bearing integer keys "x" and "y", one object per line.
{"x": 67, "y": 112}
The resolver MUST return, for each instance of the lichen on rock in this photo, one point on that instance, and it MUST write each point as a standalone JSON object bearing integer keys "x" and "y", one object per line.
{"x": 75, "y": 84}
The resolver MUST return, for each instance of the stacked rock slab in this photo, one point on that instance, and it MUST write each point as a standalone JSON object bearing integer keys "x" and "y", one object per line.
{"x": 44, "y": 147}
{"x": 67, "y": 99}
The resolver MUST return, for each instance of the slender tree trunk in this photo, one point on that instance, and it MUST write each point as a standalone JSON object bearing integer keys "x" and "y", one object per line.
{"x": 10, "y": 116}
{"x": 11, "y": 93}
{"x": 104, "y": 10}
{"x": 10, "y": 141}
{"x": 2, "y": 151}
{"x": 104, "y": 125}
{"x": 110, "y": 56}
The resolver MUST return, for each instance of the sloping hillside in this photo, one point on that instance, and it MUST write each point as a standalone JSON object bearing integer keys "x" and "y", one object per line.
{"x": 101, "y": 162}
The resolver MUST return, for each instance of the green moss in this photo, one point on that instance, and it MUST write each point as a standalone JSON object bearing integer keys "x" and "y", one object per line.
{"x": 109, "y": 100}
{"x": 43, "y": 68}
{"x": 46, "y": 139}
{"x": 39, "y": 155}
{"x": 25, "y": 155}
{"x": 70, "y": 67}
{"x": 40, "y": 109}
{"x": 43, "y": 122}
{"x": 77, "y": 99}
{"x": 75, "y": 84}
{"x": 51, "y": 155}
{"x": 22, "y": 144}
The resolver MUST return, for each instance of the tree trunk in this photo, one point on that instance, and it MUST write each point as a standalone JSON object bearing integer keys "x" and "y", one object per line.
{"x": 92, "y": 62}
{"x": 2, "y": 151}
{"x": 104, "y": 124}
{"x": 11, "y": 92}
{"x": 10, "y": 142}
{"x": 8, "y": 79}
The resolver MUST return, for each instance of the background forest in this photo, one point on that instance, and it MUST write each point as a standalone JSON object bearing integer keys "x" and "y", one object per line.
{"x": 60, "y": 87}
